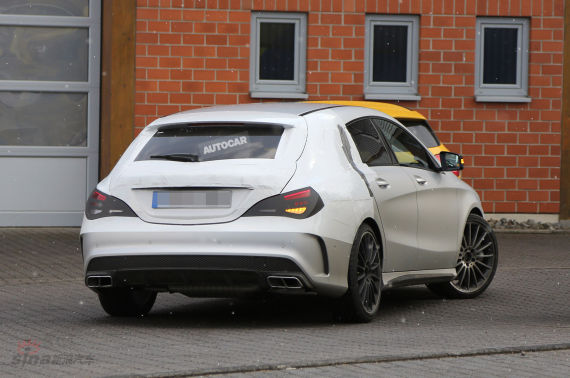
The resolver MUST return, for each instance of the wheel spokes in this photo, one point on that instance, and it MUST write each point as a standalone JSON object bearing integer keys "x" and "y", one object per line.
{"x": 482, "y": 263}
{"x": 461, "y": 273}
{"x": 474, "y": 238}
{"x": 483, "y": 248}
{"x": 476, "y": 258}
{"x": 476, "y": 268}
{"x": 482, "y": 256}
{"x": 368, "y": 272}
{"x": 476, "y": 246}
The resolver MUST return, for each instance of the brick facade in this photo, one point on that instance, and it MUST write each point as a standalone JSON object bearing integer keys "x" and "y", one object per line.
{"x": 194, "y": 53}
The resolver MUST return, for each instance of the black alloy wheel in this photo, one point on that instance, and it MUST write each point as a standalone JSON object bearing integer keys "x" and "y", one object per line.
{"x": 362, "y": 299}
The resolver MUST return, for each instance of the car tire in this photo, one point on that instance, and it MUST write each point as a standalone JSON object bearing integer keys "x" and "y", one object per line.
{"x": 476, "y": 264}
{"x": 126, "y": 301}
{"x": 362, "y": 300}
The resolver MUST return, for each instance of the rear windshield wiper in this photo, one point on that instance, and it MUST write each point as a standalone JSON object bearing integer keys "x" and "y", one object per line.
{"x": 177, "y": 157}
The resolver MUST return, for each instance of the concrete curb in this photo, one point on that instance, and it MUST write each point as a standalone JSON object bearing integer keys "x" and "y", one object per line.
{"x": 526, "y": 231}
{"x": 361, "y": 360}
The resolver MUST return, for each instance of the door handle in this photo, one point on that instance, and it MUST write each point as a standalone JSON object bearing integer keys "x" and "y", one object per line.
{"x": 382, "y": 183}
{"x": 421, "y": 181}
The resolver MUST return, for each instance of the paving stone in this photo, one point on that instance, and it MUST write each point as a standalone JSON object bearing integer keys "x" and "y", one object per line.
{"x": 533, "y": 364}
{"x": 43, "y": 298}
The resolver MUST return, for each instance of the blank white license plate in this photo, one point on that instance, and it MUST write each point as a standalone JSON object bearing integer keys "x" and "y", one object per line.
{"x": 191, "y": 199}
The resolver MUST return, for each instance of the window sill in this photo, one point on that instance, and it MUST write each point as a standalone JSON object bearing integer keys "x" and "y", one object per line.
{"x": 297, "y": 96}
{"x": 391, "y": 96}
{"x": 479, "y": 98}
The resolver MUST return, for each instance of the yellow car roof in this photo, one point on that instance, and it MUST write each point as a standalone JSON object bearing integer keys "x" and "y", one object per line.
{"x": 392, "y": 110}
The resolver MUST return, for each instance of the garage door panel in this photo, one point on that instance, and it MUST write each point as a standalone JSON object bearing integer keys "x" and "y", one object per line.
{"x": 49, "y": 110}
{"x": 49, "y": 184}
{"x": 46, "y": 7}
{"x": 44, "y": 53}
{"x": 43, "y": 119}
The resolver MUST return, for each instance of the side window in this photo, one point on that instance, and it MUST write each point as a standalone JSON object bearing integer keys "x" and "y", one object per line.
{"x": 372, "y": 150}
{"x": 408, "y": 150}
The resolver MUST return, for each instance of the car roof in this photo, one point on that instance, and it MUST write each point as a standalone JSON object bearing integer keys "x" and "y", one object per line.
{"x": 246, "y": 111}
{"x": 395, "y": 111}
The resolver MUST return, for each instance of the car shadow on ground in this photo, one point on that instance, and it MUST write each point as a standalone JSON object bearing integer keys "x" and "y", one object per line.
{"x": 269, "y": 311}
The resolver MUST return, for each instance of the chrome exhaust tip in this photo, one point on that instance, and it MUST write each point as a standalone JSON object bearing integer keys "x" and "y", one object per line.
{"x": 284, "y": 282}
{"x": 99, "y": 281}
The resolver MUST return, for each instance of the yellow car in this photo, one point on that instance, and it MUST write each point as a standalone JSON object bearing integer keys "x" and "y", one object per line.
{"x": 414, "y": 121}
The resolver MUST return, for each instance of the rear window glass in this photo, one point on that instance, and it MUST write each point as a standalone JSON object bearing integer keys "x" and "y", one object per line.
{"x": 206, "y": 142}
{"x": 422, "y": 131}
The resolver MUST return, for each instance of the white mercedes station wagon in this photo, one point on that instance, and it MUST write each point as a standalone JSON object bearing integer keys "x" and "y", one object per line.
{"x": 340, "y": 201}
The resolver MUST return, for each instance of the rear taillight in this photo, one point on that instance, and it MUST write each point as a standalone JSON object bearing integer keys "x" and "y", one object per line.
{"x": 299, "y": 204}
{"x": 100, "y": 205}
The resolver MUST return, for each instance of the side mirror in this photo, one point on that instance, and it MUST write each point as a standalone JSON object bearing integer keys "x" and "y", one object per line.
{"x": 450, "y": 161}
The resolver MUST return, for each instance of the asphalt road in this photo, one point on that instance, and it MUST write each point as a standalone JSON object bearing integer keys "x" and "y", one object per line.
{"x": 51, "y": 324}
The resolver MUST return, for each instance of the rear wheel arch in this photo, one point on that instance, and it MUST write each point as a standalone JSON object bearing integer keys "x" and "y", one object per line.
{"x": 476, "y": 211}
{"x": 361, "y": 301}
{"x": 372, "y": 223}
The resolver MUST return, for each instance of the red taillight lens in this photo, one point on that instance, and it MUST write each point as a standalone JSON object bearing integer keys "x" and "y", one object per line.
{"x": 98, "y": 196}
{"x": 100, "y": 205}
{"x": 297, "y": 195}
{"x": 298, "y": 204}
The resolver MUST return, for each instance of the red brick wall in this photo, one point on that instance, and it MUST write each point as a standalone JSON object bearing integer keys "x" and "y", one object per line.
{"x": 194, "y": 53}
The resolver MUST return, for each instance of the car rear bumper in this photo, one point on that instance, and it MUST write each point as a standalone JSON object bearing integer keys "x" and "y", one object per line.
{"x": 198, "y": 275}
{"x": 244, "y": 256}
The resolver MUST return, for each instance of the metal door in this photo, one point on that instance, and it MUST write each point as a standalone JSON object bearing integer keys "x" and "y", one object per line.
{"x": 394, "y": 192}
{"x": 49, "y": 110}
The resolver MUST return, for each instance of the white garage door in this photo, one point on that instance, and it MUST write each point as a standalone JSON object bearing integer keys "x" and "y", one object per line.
{"x": 49, "y": 110}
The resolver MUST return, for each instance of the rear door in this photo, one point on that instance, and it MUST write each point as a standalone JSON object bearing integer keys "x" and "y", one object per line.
{"x": 438, "y": 211}
{"x": 394, "y": 192}
{"x": 208, "y": 173}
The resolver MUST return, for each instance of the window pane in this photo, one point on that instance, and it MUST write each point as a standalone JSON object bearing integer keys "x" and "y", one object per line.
{"x": 422, "y": 131}
{"x": 407, "y": 150}
{"x": 500, "y": 56}
{"x": 390, "y": 51}
{"x": 46, "y": 7}
{"x": 368, "y": 143}
{"x": 215, "y": 142}
{"x": 44, "y": 53}
{"x": 43, "y": 119}
{"x": 277, "y": 51}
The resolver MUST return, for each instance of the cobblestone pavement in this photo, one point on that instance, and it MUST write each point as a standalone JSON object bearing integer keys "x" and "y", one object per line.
{"x": 519, "y": 327}
{"x": 533, "y": 364}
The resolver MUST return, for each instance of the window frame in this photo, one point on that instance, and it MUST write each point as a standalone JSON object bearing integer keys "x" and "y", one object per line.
{"x": 433, "y": 164}
{"x": 382, "y": 90}
{"x": 154, "y": 145}
{"x": 381, "y": 140}
{"x": 517, "y": 92}
{"x": 293, "y": 89}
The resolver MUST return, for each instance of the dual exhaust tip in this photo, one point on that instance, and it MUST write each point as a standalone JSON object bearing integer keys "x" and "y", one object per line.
{"x": 99, "y": 281}
{"x": 284, "y": 282}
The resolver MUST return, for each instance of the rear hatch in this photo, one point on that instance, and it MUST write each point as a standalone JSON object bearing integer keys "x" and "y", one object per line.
{"x": 208, "y": 173}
